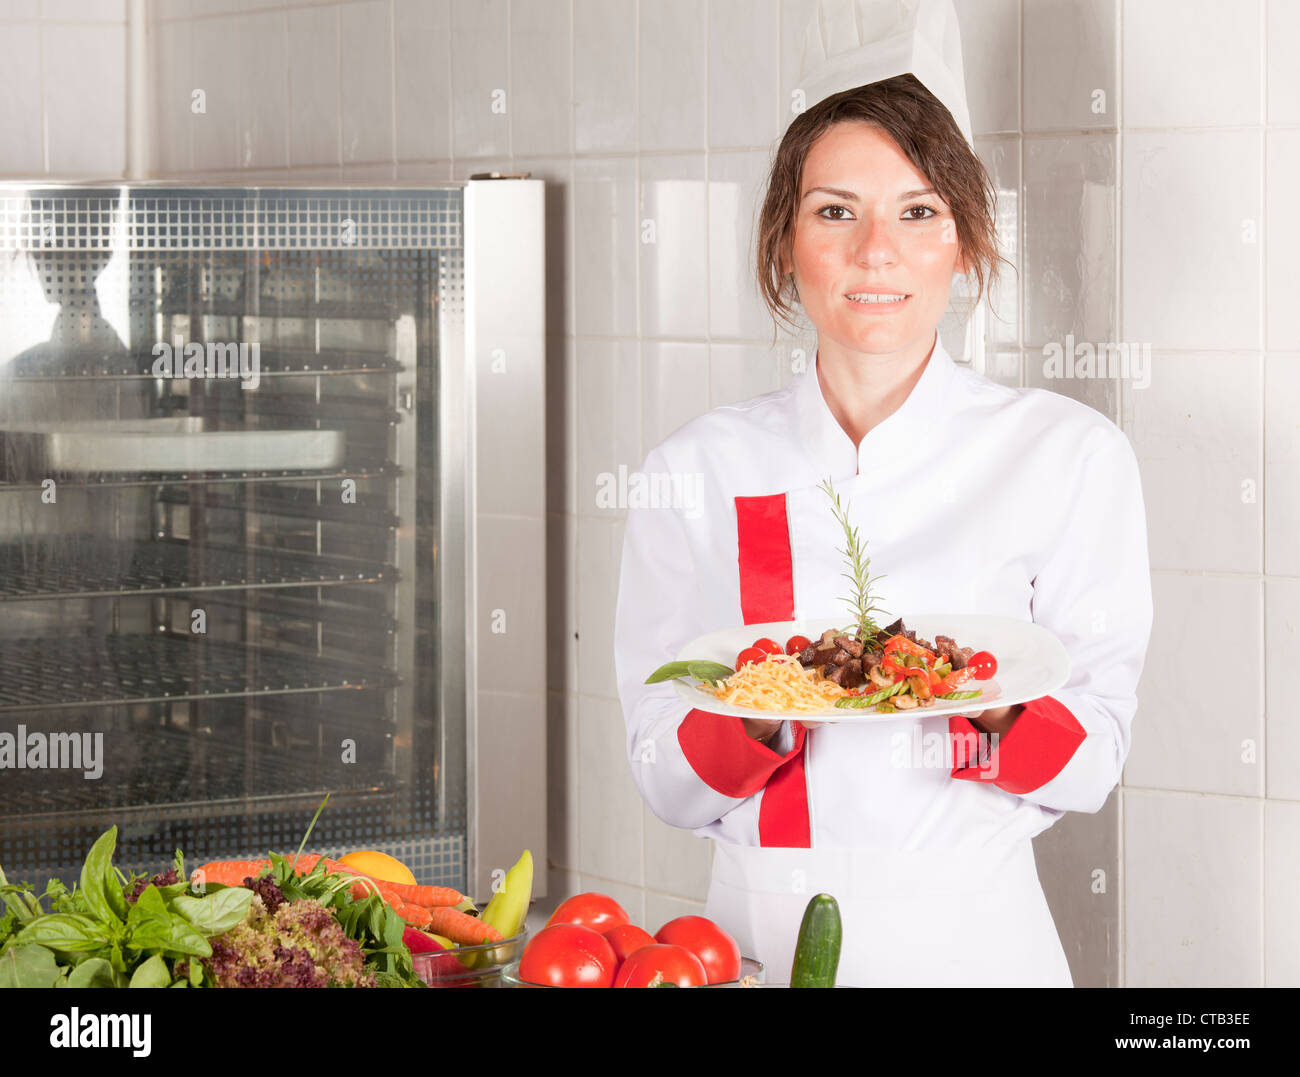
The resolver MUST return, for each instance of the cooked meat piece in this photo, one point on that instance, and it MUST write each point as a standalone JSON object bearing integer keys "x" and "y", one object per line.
{"x": 841, "y": 657}
{"x": 921, "y": 641}
{"x": 806, "y": 655}
{"x": 894, "y": 629}
{"x": 824, "y": 653}
{"x": 829, "y": 635}
{"x": 848, "y": 675}
{"x": 853, "y": 646}
{"x": 957, "y": 654}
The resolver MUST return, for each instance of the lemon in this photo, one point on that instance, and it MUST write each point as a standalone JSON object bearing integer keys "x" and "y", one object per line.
{"x": 379, "y": 866}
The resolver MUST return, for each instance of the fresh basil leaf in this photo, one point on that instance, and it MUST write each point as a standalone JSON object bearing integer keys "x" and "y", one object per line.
{"x": 709, "y": 672}
{"x": 95, "y": 872}
{"x": 668, "y": 671}
{"x": 29, "y": 965}
{"x": 152, "y": 973}
{"x": 216, "y": 913}
{"x": 196, "y": 974}
{"x": 148, "y": 906}
{"x": 93, "y": 972}
{"x": 171, "y": 934}
{"x": 62, "y": 931}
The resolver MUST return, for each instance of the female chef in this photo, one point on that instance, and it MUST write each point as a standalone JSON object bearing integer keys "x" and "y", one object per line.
{"x": 972, "y": 498}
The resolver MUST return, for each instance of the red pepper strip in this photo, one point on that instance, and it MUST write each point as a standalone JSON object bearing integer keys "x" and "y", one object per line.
{"x": 901, "y": 672}
{"x": 902, "y": 643}
{"x": 953, "y": 681}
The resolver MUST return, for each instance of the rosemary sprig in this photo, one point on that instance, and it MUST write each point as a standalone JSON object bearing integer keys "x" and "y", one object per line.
{"x": 863, "y": 601}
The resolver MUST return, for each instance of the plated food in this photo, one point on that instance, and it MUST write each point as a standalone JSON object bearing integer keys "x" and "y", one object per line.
{"x": 1031, "y": 663}
{"x": 890, "y": 670}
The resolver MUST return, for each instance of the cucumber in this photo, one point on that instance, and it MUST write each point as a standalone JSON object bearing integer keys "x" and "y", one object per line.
{"x": 817, "y": 953}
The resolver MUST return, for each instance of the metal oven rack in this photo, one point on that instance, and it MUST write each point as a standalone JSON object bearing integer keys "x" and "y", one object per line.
{"x": 244, "y": 639}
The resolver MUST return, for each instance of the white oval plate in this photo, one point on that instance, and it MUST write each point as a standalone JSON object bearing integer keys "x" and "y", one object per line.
{"x": 1031, "y": 663}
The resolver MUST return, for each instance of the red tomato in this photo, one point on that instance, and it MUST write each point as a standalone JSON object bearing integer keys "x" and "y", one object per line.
{"x": 983, "y": 665}
{"x": 796, "y": 644}
{"x": 770, "y": 646}
{"x": 568, "y": 955}
{"x": 672, "y": 964}
{"x": 750, "y": 654}
{"x": 599, "y": 912}
{"x": 626, "y": 939}
{"x": 717, "y": 950}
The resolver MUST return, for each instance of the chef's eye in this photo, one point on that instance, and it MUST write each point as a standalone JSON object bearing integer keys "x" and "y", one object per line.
{"x": 907, "y": 213}
{"x": 821, "y": 213}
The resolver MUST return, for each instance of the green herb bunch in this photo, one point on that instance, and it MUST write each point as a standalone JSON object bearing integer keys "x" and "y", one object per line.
{"x": 862, "y": 601}
{"x": 98, "y": 936}
{"x": 141, "y": 931}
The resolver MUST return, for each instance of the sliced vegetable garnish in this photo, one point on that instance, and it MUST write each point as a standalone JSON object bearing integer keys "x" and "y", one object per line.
{"x": 873, "y": 699}
{"x": 961, "y": 695}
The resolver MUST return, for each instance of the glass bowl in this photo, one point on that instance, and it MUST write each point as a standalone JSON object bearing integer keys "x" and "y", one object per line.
{"x": 752, "y": 974}
{"x": 469, "y": 966}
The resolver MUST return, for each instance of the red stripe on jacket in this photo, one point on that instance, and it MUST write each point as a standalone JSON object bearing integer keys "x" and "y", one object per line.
{"x": 717, "y": 747}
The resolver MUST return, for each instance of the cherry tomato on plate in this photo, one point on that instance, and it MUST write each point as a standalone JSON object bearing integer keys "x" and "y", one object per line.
{"x": 568, "y": 955}
{"x": 750, "y": 654}
{"x": 768, "y": 646}
{"x": 797, "y": 644}
{"x": 672, "y": 964}
{"x": 717, "y": 950}
{"x": 983, "y": 665}
{"x": 600, "y": 912}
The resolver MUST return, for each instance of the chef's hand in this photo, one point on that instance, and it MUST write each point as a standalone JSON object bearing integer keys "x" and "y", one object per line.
{"x": 998, "y": 720}
{"x": 763, "y": 729}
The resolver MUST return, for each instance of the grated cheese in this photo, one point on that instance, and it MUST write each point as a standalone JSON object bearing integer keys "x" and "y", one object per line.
{"x": 779, "y": 683}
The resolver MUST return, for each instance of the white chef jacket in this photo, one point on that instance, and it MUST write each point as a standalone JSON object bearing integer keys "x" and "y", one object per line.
{"x": 972, "y": 497}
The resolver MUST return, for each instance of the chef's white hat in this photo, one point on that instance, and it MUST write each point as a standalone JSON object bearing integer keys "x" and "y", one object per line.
{"x": 850, "y": 43}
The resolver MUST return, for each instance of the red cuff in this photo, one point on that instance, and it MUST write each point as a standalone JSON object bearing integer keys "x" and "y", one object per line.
{"x": 726, "y": 758}
{"x": 1033, "y": 752}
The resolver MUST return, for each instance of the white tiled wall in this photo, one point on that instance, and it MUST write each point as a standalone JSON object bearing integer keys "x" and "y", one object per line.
{"x": 1140, "y": 201}
{"x": 63, "y": 89}
{"x": 1207, "y": 227}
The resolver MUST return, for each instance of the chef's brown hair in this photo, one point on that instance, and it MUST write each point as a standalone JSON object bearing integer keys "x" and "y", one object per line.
{"x": 924, "y": 130}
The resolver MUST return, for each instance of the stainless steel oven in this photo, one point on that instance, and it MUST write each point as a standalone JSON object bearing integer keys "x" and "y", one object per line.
{"x": 244, "y": 519}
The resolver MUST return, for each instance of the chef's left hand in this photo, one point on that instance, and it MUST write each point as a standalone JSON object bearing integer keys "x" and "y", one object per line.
{"x": 998, "y": 720}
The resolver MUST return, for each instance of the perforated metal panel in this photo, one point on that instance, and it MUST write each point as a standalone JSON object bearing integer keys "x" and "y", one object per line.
{"x": 241, "y": 637}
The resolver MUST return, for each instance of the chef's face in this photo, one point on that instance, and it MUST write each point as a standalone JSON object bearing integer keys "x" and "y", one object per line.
{"x": 876, "y": 230}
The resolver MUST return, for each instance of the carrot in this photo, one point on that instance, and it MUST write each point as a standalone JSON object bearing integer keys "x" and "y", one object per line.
{"x": 415, "y": 915}
{"x": 230, "y": 872}
{"x": 234, "y": 872}
{"x": 460, "y": 927}
{"x": 428, "y": 896}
